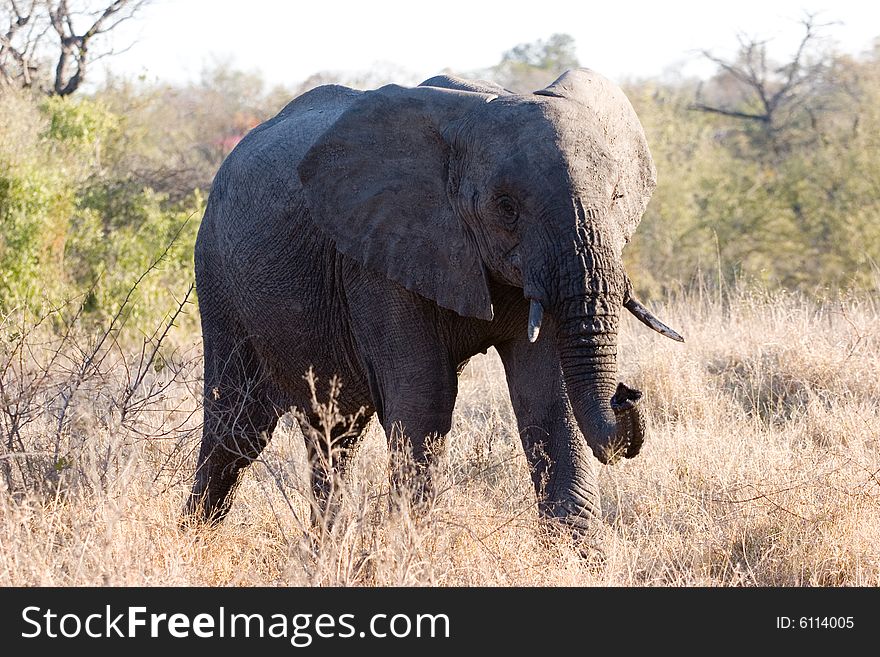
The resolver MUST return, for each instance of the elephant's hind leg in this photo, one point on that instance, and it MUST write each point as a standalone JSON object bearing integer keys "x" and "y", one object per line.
{"x": 329, "y": 460}
{"x": 241, "y": 409}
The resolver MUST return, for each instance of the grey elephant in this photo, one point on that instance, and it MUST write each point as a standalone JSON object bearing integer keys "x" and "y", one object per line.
{"x": 387, "y": 236}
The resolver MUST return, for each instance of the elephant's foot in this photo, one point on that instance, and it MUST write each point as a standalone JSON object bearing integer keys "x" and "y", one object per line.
{"x": 413, "y": 481}
{"x": 211, "y": 497}
{"x": 414, "y": 496}
{"x": 589, "y": 542}
{"x": 581, "y": 525}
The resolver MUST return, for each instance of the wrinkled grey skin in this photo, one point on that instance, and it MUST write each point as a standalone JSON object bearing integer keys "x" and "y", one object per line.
{"x": 388, "y": 236}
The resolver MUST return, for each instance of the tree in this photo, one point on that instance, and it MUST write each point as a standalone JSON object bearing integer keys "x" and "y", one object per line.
{"x": 530, "y": 66}
{"x": 777, "y": 100}
{"x": 49, "y": 44}
{"x": 790, "y": 190}
{"x": 557, "y": 52}
{"x": 21, "y": 31}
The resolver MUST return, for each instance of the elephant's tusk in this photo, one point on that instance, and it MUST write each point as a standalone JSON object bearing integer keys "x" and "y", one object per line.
{"x": 536, "y": 314}
{"x": 645, "y": 316}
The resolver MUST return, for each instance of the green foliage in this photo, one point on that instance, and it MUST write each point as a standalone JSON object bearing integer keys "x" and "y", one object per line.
{"x": 93, "y": 190}
{"x": 73, "y": 222}
{"x": 83, "y": 123}
{"x": 797, "y": 206}
{"x": 117, "y": 234}
{"x": 34, "y": 205}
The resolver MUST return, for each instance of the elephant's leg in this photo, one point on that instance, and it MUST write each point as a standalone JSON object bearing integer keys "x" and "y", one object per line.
{"x": 328, "y": 464}
{"x": 416, "y": 421}
{"x": 411, "y": 376}
{"x": 241, "y": 409}
{"x": 561, "y": 463}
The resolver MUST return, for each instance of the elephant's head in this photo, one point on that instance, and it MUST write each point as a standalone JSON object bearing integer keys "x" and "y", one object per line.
{"x": 443, "y": 189}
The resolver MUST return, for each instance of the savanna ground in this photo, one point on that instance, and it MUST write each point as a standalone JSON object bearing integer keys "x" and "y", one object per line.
{"x": 761, "y": 467}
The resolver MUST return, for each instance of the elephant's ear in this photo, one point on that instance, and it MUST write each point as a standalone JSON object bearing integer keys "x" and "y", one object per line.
{"x": 610, "y": 110}
{"x": 376, "y": 182}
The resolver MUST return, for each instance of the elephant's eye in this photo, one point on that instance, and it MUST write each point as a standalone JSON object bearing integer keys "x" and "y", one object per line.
{"x": 508, "y": 209}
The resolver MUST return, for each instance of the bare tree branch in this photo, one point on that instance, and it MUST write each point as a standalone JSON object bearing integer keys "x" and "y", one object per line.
{"x": 726, "y": 112}
{"x": 76, "y": 25}
{"x": 17, "y": 19}
{"x": 752, "y": 88}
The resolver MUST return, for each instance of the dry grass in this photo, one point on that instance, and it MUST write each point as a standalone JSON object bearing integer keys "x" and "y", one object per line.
{"x": 761, "y": 468}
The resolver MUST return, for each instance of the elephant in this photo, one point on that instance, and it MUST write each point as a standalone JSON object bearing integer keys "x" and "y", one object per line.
{"x": 385, "y": 237}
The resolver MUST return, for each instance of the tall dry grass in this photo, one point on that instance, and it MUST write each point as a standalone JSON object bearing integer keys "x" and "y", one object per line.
{"x": 761, "y": 467}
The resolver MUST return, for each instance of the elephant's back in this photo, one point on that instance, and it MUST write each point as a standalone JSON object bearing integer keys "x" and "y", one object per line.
{"x": 256, "y": 194}
{"x": 296, "y": 127}
{"x": 266, "y": 159}
{"x": 260, "y": 260}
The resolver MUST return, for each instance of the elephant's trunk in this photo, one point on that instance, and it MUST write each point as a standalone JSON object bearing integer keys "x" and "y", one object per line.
{"x": 583, "y": 285}
{"x": 607, "y": 412}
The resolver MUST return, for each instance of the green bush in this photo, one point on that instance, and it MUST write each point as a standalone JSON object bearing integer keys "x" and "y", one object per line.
{"x": 75, "y": 225}
{"x": 797, "y": 208}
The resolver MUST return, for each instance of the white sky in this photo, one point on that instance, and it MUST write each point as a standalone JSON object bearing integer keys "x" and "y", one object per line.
{"x": 287, "y": 40}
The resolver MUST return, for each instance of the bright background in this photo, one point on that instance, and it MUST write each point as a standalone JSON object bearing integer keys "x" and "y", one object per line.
{"x": 288, "y": 41}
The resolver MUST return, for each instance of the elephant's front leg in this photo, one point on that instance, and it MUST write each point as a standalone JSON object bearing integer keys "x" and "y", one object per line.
{"x": 412, "y": 379}
{"x": 329, "y": 463}
{"x": 561, "y": 463}
{"x": 416, "y": 425}
{"x": 417, "y": 400}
